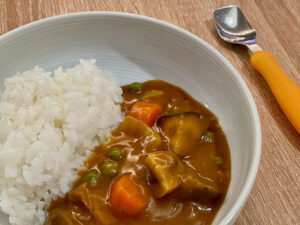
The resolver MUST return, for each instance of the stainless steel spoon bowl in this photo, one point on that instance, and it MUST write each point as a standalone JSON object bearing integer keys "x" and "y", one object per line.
{"x": 233, "y": 27}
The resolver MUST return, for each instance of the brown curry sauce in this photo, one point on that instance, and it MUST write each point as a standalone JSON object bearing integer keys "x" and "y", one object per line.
{"x": 171, "y": 209}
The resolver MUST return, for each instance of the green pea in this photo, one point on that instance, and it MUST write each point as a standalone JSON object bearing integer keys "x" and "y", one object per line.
{"x": 209, "y": 137}
{"x": 110, "y": 168}
{"x": 115, "y": 153}
{"x": 136, "y": 86}
{"x": 92, "y": 178}
{"x": 218, "y": 160}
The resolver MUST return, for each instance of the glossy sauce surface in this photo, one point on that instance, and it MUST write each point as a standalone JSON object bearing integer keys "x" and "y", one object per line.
{"x": 171, "y": 209}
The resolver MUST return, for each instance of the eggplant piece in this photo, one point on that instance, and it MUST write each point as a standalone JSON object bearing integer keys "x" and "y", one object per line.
{"x": 197, "y": 187}
{"x": 183, "y": 130}
{"x": 165, "y": 168}
{"x": 138, "y": 129}
{"x": 60, "y": 216}
{"x": 171, "y": 174}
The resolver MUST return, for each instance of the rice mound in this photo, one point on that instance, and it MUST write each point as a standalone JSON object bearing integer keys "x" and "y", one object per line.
{"x": 48, "y": 127}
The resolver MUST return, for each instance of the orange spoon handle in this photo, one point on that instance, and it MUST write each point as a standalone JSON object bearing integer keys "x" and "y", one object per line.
{"x": 284, "y": 89}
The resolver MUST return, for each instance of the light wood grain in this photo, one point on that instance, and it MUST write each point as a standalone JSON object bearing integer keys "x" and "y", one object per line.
{"x": 275, "y": 198}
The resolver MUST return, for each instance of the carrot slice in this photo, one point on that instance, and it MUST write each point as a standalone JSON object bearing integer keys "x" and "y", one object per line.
{"x": 126, "y": 197}
{"x": 145, "y": 111}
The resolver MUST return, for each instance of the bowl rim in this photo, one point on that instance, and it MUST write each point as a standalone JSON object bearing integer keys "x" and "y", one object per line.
{"x": 231, "y": 216}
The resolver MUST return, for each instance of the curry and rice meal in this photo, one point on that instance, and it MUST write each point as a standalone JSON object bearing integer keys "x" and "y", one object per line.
{"x": 77, "y": 148}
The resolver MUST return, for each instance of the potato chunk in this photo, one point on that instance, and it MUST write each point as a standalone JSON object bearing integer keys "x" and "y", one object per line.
{"x": 139, "y": 129}
{"x": 165, "y": 168}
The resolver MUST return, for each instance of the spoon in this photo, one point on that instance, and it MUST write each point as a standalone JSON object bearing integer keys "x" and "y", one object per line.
{"x": 233, "y": 27}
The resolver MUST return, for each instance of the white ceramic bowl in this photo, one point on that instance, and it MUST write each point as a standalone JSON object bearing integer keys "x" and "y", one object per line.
{"x": 138, "y": 48}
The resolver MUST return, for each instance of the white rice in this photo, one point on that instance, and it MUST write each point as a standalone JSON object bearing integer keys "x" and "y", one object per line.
{"x": 48, "y": 126}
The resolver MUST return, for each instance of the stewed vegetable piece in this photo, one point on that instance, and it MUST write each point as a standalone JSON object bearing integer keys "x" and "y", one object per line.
{"x": 184, "y": 130}
{"x": 208, "y": 136}
{"x": 136, "y": 87}
{"x": 126, "y": 197}
{"x": 152, "y": 94}
{"x": 92, "y": 178}
{"x": 146, "y": 112}
{"x": 138, "y": 129}
{"x": 172, "y": 174}
{"x": 166, "y": 168}
{"x": 109, "y": 167}
{"x": 115, "y": 153}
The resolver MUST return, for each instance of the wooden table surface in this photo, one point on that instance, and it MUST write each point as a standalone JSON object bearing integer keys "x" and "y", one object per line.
{"x": 275, "y": 198}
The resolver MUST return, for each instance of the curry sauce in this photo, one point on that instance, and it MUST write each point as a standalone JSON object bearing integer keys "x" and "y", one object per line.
{"x": 179, "y": 166}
